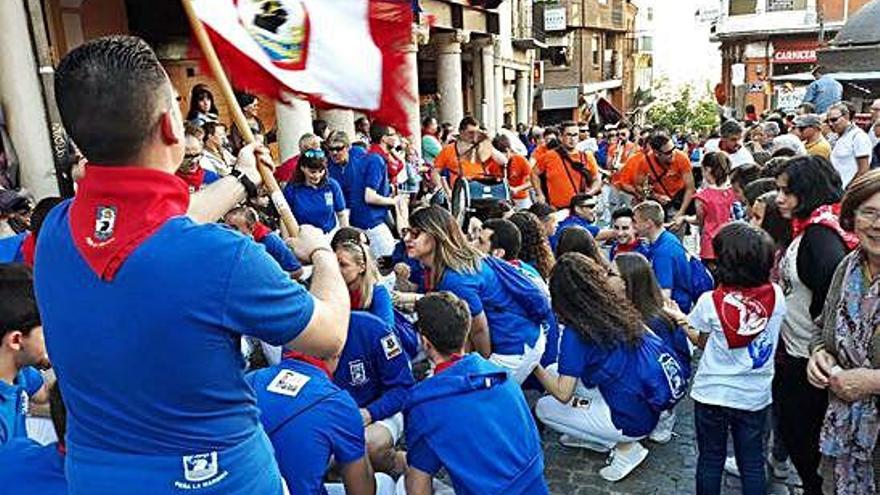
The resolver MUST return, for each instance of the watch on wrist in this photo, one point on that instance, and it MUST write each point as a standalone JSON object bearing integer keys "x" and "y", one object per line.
{"x": 249, "y": 186}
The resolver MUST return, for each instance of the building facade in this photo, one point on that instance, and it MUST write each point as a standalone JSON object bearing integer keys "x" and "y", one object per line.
{"x": 768, "y": 48}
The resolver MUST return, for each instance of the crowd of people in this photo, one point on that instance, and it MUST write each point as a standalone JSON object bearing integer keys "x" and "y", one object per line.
{"x": 181, "y": 340}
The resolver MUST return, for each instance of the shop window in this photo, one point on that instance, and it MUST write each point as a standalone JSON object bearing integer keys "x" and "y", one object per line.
{"x": 742, "y": 7}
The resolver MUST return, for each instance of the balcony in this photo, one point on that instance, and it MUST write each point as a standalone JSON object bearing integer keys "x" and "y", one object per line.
{"x": 530, "y": 34}
{"x": 745, "y": 17}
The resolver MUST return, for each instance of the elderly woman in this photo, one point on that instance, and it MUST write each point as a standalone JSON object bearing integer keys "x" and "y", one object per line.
{"x": 845, "y": 357}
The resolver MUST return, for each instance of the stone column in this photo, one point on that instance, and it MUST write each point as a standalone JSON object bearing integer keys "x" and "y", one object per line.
{"x": 488, "y": 85}
{"x": 523, "y": 106}
{"x": 420, "y": 35}
{"x": 449, "y": 75}
{"x": 499, "y": 96}
{"x": 22, "y": 102}
{"x": 339, "y": 119}
{"x": 294, "y": 119}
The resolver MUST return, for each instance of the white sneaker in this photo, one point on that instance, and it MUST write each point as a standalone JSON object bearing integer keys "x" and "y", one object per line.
{"x": 730, "y": 466}
{"x": 781, "y": 469}
{"x": 663, "y": 431}
{"x": 579, "y": 443}
{"x": 623, "y": 462}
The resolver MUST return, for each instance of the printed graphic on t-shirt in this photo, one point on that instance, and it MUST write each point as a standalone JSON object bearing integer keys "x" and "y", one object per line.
{"x": 391, "y": 347}
{"x": 358, "y": 372}
{"x": 674, "y": 375}
{"x": 288, "y": 382}
{"x": 760, "y": 350}
{"x": 201, "y": 471}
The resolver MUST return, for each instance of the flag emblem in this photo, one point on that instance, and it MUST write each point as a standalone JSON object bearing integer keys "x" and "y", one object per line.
{"x": 280, "y": 28}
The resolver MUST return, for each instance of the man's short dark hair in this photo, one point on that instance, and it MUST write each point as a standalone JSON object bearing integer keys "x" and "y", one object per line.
{"x": 623, "y": 212}
{"x": 377, "y": 132}
{"x": 745, "y": 174}
{"x": 551, "y": 130}
{"x": 744, "y": 255}
{"x": 658, "y": 140}
{"x": 18, "y": 306}
{"x": 506, "y": 236}
{"x": 501, "y": 143}
{"x": 110, "y": 92}
{"x": 466, "y": 122}
{"x": 814, "y": 181}
{"x": 730, "y": 128}
{"x": 758, "y": 188}
{"x": 444, "y": 320}
{"x": 568, "y": 123}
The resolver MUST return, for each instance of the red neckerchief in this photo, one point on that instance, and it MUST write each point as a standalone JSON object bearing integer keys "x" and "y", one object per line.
{"x": 441, "y": 367}
{"x": 394, "y": 166}
{"x": 261, "y": 231}
{"x": 308, "y": 359}
{"x": 116, "y": 208}
{"x": 827, "y": 215}
{"x": 62, "y": 449}
{"x": 744, "y": 313}
{"x": 194, "y": 179}
{"x": 627, "y": 248}
{"x": 355, "y": 296}
{"x": 29, "y": 249}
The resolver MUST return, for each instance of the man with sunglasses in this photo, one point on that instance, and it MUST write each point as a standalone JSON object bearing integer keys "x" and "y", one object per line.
{"x": 809, "y": 129}
{"x": 662, "y": 174}
{"x": 340, "y": 155}
{"x": 851, "y": 155}
{"x": 190, "y": 170}
{"x": 371, "y": 193}
{"x": 730, "y": 142}
{"x": 567, "y": 171}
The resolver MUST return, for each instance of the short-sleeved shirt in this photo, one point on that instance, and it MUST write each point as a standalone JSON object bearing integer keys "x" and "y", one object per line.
{"x": 430, "y": 148}
{"x": 176, "y": 317}
{"x": 739, "y": 378}
{"x": 820, "y": 147}
{"x": 279, "y": 251}
{"x": 671, "y": 267}
{"x": 741, "y": 157}
{"x": 14, "y": 400}
{"x": 518, "y": 172}
{"x": 449, "y": 161}
{"x": 370, "y": 171}
{"x": 717, "y": 212}
{"x": 28, "y": 468}
{"x": 611, "y": 370}
{"x": 563, "y": 180}
{"x": 667, "y": 180}
{"x": 852, "y": 144}
{"x": 316, "y": 206}
{"x": 308, "y": 419}
{"x": 482, "y": 291}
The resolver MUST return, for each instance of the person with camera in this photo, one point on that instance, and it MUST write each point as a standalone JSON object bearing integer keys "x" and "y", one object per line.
{"x": 470, "y": 156}
{"x": 565, "y": 170}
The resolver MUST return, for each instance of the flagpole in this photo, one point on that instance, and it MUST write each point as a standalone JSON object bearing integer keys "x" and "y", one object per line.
{"x": 238, "y": 117}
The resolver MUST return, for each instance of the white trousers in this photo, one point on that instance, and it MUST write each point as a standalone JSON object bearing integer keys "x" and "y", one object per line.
{"x": 520, "y": 366}
{"x": 587, "y": 416}
{"x": 394, "y": 425}
{"x": 381, "y": 240}
{"x": 384, "y": 486}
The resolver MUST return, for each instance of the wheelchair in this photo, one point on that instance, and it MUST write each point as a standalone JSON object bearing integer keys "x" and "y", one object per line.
{"x": 478, "y": 197}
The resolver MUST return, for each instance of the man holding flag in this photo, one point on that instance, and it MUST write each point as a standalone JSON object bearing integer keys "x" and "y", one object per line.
{"x": 142, "y": 327}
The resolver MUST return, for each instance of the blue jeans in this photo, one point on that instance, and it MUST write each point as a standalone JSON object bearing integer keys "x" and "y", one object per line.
{"x": 747, "y": 430}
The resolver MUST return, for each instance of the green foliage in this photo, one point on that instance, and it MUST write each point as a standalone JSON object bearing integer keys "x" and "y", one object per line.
{"x": 684, "y": 111}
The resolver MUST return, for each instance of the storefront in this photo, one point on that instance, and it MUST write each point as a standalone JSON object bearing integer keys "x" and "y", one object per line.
{"x": 791, "y": 66}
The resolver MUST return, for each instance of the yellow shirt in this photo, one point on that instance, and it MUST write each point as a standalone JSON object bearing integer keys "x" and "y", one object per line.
{"x": 820, "y": 148}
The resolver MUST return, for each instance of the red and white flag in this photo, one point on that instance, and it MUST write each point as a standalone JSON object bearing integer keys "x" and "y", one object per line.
{"x": 334, "y": 53}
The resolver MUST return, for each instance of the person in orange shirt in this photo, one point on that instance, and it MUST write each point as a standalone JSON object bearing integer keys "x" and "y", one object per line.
{"x": 620, "y": 150}
{"x": 566, "y": 171}
{"x": 662, "y": 174}
{"x": 466, "y": 156}
{"x": 518, "y": 172}
{"x": 548, "y": 134}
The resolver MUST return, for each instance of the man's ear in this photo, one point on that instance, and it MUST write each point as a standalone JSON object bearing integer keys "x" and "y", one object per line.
{"x": 499, "y": 253}
{"x": 12, "y": 340}
{"x": 170, "y": 132}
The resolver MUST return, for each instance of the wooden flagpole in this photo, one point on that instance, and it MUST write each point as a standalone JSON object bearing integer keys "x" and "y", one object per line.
{"x": 238, "y": 117}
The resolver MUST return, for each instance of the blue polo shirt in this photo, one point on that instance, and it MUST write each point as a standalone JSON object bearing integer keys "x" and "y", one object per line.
{"x": 509, "y": 331}
{"x": 586, "y": 360}
{"x": 315, "y": 206}
{"x": 278, "y": 250}
{"x": 670, "y": 262}
{"x": 474, "y": 421}
{"x": 300, "y": 407}
{"x": 10, "y": 248}
{"x": 150, "y": 362}
{"x": 343, "y": 173}
{"x": 381, "y": 305}
{"x": 371, "y": 171}
{"x": 28, "y": 468}
{"x": 572, "y": 221}
{"x": 14, "y": 403}
{"x": 373, "y": 367}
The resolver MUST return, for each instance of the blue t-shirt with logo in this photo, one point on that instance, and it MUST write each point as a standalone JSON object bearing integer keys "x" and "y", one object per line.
{"x": 28, "y": 468}
{"x": 308, "y": 419}
{"x": 315, "y": 206}
{"x": 373, "y": 367}
{"x": 371, "y": 171}
{"x": 14, "y": 402}
{"x": 509, "y": 330}
{"x": 670, "y": 262}
{"x": 611, "y": 370}
{"x": 150, "y": 362}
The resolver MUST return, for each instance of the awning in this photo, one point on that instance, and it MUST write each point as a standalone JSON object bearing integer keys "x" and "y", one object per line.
{"x": 840, "y": 76}
{"x": 800, "y": 76}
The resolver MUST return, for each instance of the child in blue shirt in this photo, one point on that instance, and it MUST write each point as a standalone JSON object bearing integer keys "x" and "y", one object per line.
{"x": 469, "y": 417}
{"x": 22, "y": 348}
{"x": 315, "y": 198}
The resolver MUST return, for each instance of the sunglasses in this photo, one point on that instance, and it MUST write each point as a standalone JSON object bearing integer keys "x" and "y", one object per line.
{"x": 832, "y": 120}
{"x": 191, "y": 157}
{"x": 314, "y": 154}
{"x": 665, "y": 153}
{"x": 336, "y": 149}
{"x": 571, "y": 134}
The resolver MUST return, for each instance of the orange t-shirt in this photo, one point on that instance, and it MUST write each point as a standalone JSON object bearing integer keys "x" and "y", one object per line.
{"x": 518, "y": 172}
{"x": 672, "y": 178}
{"x": 538, "y": 152}
{"x": 563, "y": 181}
{"x": 448, "y": 159}
{"x": 627, "y": 173}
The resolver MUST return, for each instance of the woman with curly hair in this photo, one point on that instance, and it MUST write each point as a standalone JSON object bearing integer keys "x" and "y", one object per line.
{"x": 535, "y": 249}
{"x": 500, "y": 329}
{"x": 600, "y": 393}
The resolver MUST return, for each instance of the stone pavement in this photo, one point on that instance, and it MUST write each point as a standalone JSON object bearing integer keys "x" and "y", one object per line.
{"x": 669, "y": 469}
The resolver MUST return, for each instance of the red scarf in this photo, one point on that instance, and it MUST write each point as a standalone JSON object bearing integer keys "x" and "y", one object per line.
{"x": 627, "y": 248}
{"x": 744, "y": 313}
{"x": 261, "y": 231}
{"x": 194, "y": 179}
{"x": 355, "y": 296}
{"x": 29, "y": 249}
{"x": 441, "y": 367}
{"x": 116, "y": 208}
{"x": 827, "y": 215}
{"x": 309, "y": 359}
{"x": 394, "y": 166}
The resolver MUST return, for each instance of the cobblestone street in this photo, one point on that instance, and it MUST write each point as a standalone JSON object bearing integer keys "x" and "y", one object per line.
{"x": 669, "y": 469}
